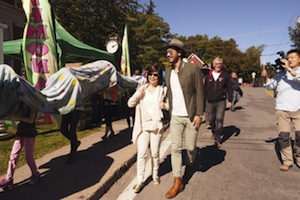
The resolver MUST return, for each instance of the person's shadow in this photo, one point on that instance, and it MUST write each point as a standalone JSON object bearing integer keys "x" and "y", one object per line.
{"x": 206, "y": 158}
{"x": 229, "y": 131}
{"x": 62, "y": 180}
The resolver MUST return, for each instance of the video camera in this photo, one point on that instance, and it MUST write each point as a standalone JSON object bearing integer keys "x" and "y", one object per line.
{"x": 278, "y": 64}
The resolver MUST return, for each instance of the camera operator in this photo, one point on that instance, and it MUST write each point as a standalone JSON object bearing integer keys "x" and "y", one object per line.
{"x": 287, "y": 84}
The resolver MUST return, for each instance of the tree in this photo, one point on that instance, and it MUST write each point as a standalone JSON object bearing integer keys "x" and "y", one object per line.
{"x": 251, "y": 62}
{"x": 148, "y": 37}
{"x": 294, "y": 33}
{"x": 92, "y": 21}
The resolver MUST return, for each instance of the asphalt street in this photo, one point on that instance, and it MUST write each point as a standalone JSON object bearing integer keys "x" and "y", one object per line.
{"x": 245, "y": 167}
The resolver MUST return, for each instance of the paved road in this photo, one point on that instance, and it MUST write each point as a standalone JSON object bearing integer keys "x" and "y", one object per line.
{"x": 99, "y": 164}
{"x": 246, "y": 166}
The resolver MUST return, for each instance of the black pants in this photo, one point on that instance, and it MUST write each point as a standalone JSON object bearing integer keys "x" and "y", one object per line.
{"x": 97, "y": 108}
{"x": 68, "y": 127}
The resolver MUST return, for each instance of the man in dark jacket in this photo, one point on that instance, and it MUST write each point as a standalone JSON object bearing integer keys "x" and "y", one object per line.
{"x": 236, "y": 90}
{"x": 217, "y": 88}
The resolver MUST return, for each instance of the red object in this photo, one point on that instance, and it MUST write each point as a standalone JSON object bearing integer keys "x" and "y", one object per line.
{"x": 193, "y": 58}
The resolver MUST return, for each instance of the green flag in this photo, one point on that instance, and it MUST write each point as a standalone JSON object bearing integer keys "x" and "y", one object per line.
{"x": 125, "y": 61}
{"x": 39, "y": 42}
{"x": 39, "y": 48}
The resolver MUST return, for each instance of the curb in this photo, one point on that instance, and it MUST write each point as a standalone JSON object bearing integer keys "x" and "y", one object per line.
{"x": 116, "y": 176}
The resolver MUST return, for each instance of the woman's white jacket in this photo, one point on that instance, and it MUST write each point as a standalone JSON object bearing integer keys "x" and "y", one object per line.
{"x": 137, "y": 101}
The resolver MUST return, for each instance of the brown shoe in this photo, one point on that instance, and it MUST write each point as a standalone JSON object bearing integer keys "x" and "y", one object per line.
{"x": 177, "y": 187}
{"x": 285, "y": 167}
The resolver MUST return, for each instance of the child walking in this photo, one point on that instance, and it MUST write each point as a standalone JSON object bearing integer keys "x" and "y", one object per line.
{"x": 25, "y": 137}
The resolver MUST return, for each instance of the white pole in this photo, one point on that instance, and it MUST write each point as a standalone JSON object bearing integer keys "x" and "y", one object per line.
{"x": 2, "y": 26}
{"x": 3, "y": 127}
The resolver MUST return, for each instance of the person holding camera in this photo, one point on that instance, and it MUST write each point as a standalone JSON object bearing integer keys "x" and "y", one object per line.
{"x": 287, "y": 84}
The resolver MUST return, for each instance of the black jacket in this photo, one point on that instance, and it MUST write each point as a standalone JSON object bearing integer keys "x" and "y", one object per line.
{"x": 218, "y": 90}
{"x": 236, "y": 86}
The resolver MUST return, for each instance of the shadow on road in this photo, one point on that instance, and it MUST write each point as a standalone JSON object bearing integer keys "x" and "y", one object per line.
{"x": 229, "y": 131}
{"x": 206, "y": 158}
{"x": 61, "y": 180}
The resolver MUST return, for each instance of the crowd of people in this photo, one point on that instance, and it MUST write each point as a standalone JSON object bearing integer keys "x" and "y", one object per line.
{"x": 190, "y": 95}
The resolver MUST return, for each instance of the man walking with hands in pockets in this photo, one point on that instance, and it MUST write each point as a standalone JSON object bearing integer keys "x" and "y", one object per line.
{"x": 185, "y": 93}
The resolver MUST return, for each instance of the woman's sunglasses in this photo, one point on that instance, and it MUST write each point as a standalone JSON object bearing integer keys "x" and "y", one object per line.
{"x": 153, "y": 74}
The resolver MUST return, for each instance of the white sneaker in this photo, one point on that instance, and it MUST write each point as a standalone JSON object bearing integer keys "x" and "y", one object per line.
{"x": 156, "y": 181}
{"x": 138, "y": 187}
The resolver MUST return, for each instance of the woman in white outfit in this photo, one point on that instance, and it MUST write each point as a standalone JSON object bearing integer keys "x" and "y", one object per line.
{"x": 148, "y": 125}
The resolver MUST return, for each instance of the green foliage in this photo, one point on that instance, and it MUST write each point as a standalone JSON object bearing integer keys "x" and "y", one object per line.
{"x": 294, "y": 33}
{"x": 92, "y": 21}
{"x": 244, "y": 63}
{"x": 148, "y": 34}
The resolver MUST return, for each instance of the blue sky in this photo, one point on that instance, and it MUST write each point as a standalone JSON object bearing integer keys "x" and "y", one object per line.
{"x": 248, "y": 22}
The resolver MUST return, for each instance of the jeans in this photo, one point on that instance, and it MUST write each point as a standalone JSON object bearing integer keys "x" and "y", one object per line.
{"x": 236, "y": 97}
{"x": 216, "y": 112}
{"x": 28, "y": 143}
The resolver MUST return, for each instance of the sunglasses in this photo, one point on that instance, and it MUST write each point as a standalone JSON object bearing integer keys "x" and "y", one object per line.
{"x": 169, "y": 52}
{"x": 153, "y": 74}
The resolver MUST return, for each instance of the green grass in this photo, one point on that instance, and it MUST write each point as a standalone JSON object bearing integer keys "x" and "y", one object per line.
{"x": 48, "y": 139}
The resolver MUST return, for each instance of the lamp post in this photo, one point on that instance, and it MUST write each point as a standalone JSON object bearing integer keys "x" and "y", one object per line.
{"x": 253, "y": 74}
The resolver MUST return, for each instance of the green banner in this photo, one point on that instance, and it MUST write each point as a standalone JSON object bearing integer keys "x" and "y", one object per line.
{"x": 39, "y": 42}
{"x": 39, "y": 48}
{"x": 125, "y": 61}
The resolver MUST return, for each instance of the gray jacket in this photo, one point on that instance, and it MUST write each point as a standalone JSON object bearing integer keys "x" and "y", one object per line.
{"x": 191, "y": 82}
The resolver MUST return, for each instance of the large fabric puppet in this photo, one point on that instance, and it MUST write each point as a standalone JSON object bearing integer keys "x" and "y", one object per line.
{"x": 65, "y": 89}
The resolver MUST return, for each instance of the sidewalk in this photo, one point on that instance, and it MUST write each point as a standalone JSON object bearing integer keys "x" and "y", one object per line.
{"x": 98, "y": 166}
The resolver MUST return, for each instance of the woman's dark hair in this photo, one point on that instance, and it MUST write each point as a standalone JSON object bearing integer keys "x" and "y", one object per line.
{"x": 155, "y": 68}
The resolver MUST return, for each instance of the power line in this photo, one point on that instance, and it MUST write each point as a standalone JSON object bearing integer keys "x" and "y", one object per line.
{"x": 285, "y": 34}
{"x": 269, "y": 45}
